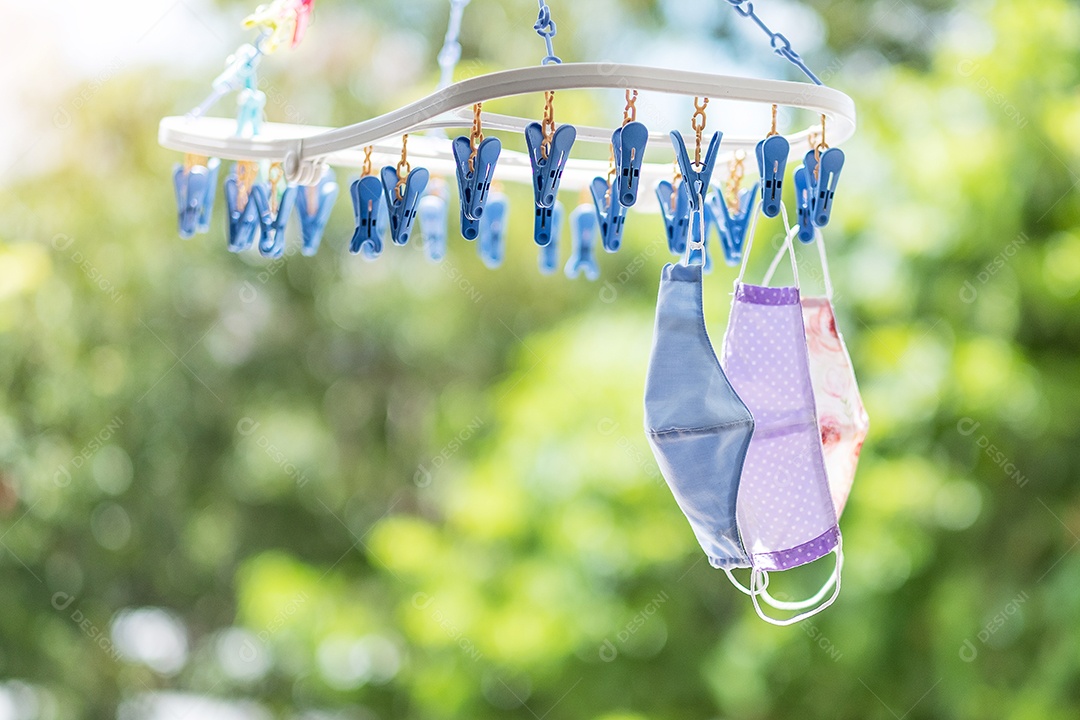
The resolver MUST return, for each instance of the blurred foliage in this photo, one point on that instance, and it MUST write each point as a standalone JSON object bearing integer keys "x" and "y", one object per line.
{"x": 398, "y": 489}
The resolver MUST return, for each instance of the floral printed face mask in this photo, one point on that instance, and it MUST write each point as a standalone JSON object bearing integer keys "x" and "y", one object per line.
{"x": 842, "y": 418}
{"x": 785, "y": 511}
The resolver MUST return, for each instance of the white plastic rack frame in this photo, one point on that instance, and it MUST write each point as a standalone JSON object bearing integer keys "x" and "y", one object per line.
{"x": 304, "y": 149}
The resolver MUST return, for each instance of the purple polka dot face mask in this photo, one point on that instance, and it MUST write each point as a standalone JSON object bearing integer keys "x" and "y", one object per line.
{"x": 784, "y": 509}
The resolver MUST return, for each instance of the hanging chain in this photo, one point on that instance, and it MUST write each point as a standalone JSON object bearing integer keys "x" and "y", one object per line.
{"x": 819, "y": 148}
{"x": 773, "y": 131}
{"x": 545, "y": 28}
{"x": 367, "y": 160}
{"x": 629, "y": 114}
{"x": 735, "y": 177}
{"x": 548, "y": 126}
{"x": 697, "y": 124}
{"x": 780, "y": 44}
{"x": 275, "y": 175}
{"x": 191, "y": 161}
{"x": 476, "y": 137}
{"x": 676, "y": 180}
{"x": 403, "y": 168}
{"x": 246, "y": 172}
{"x": 450, "y": 53}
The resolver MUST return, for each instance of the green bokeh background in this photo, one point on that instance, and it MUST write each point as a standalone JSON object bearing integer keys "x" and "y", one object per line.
{"x": 412, "y": 490}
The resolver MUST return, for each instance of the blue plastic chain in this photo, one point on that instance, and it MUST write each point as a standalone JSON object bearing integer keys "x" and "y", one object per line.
{"x": 545, "y": 28}
{"x": 780, "y": 44}
{"x": 451, "y": 49}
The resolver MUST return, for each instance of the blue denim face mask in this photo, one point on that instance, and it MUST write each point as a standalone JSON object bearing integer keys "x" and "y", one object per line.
{"x": 697, "y": 427}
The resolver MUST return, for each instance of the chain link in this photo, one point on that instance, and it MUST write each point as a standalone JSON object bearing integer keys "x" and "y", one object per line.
{"x": 629, "y": 114}
{"x": 697, "y": 124}
{"x": 819, "y": 147}
{"x": 476, "y": 136}
{"x": 545, "y": 28}
{"x": 367, "y": 160}
{"x": 403, "y": 168}
{"x": 548, "y": 126}
{"x": 773, "y": 131}
{"x": 246, "y": 172}
{"x": 275, "y": 175}
{"x": 780, "y": 44}
{"x": 736, "y": 171}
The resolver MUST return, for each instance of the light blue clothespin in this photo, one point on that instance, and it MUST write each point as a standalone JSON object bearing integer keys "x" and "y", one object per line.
{"x": 628, "y": 144}
{"x": 492, "y": 230}
{"x": 772, "y": 154}
{"x": 804, "y": 204}
{"x": 206, "y": 207}
{"x": 474, "y": 182}
{"x": 401, "y": 206}
{"x": 252, "y": 102}
{"x": 676, "y": 215}
{"x": 610, "y": 214}
{"x": 366, "y": 193}
{"x": 548, "y": 168}
{"x": 549, "y": 252}
{"x": 822, "y": 183}
{"x": 582, "y": 242}
{"x": 696, "y": 177}
{"x": 432, "y": 213}
{"x": 243, "y": 222}
{"x": 732, "y": 227}
{"x": 313, "y": 205}
{"x": 272, "y": 240}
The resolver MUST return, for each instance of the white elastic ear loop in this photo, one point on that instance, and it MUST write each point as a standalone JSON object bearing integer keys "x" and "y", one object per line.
{"x": 821, "y": 254}
{"x": 790, "y": 245}
{"x": 809, "y": 602}
{"x": 775, "y": 264}
{"x": 749, "y": 244}
{"x": 742, "y": 588}
{"x": 801, "y": 616}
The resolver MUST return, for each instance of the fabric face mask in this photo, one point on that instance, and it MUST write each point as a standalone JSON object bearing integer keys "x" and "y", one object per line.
{"x": 697, "y": 427}
{"x": 842, "y": 418}
{"x": 785, "y": 511}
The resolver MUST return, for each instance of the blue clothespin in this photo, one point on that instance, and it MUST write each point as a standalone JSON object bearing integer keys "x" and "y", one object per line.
{"x": 582, "y": 241}
{"x": 610, "y": 214}
{"x": 549, "y": 252}
{"x": 823, "y": 182}
{"x": 628, "y": 144}
{"x": 804, "y": 204}
{"x": 545, "y": 225}
{"x": 733, "y": 227}
{"x": 701, "y": 256}
{"x": 772, "y": 154}
{"x": 492, "y": 230}
{"x": 313, "y": 205}
{"x": 191, "y": 187}
{"x": 243, "y": 222}
{"x": 432, "y": 213}
{"x": 402, "y": 207}
{"x": 547, "y": 171}
{"x": 366, "y": 193}
{"x": 474, "y": 183}
{"x": 676, "y": 215}
{"x": 272, "y": 240}
{"x": 206, "y": 207}
{"x": 696, "y": 180}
